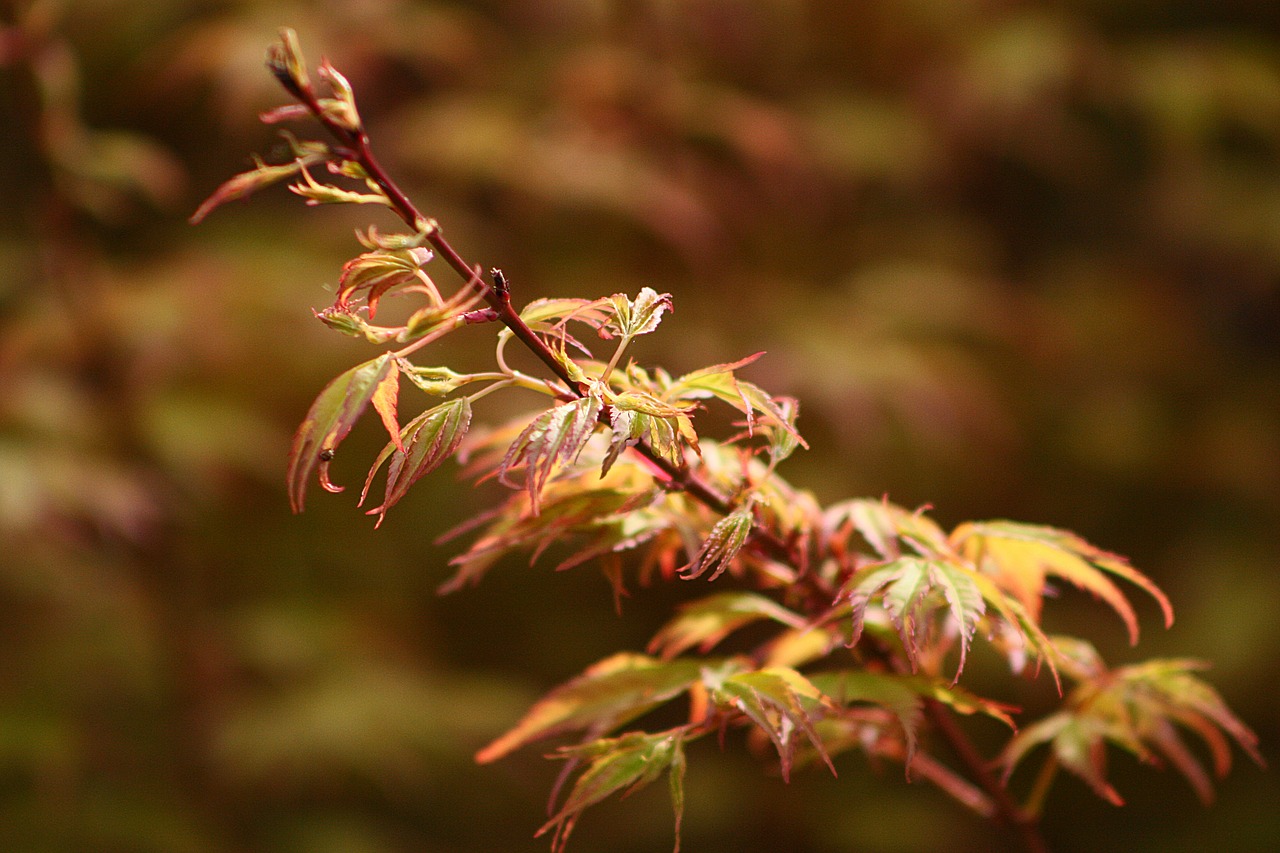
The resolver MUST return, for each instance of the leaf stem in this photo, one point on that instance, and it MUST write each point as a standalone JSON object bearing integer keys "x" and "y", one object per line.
{"x": 1007, "y": 809}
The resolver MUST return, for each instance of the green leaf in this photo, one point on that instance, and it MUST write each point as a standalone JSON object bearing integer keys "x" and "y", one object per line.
{"x": 722, "y": 544}
{"x": 607, "y": 695}
{"x": 706, "y": 622}
{"x": 631, "y": 319}
{"x": 327, "y": 423}
{"x": 719, "y": 381}
{"x": 425, "y": 442}
{"x": 637, "y": 417}
{"x": 887, "y": 527}
{"x": 316, "y": 193}
{"x": 1020, "y": 556}
{"x": 553, "y": 439}
{"x": 780, "y": 701}
{"x": 912, "y": 590}
{"x": 1139, "y": 708}
{"x": 350, "y": 323}
{"x": 436, "y": 381}
{"x": 902, "y": 695}
{"x": 625, "y": 764}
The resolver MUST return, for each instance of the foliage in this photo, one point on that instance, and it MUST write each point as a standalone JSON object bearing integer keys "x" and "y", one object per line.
{"x": 870, "y": 610}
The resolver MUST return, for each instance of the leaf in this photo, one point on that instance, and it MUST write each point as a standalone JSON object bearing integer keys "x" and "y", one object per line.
{"x": 284, "y": 59}
{"x": 262, "y": 175}
{"x": 386, "y": 396}
{"x": 608, "y": 694}
{"x": 911, "y": 590}
{"x": 423, "y": 444}
{"x": 341, "y": 108}
{"x": 775, "y": 699}
{"x": 1020, "y": 556}
{"x": 720, "y": 382}
{"x": 540, "y": 311}
{"x": 637, "y": 417}
{"x": 327, "y": 423}
{"x": 377, "y": 272}
{"x": 436, "y": 381}
{"x": 886, "y": 527}
{"x": 554, "y": 438}
{"x": 1138, "y": 708}
{"x": 893, "y": 692}
{"x": 349, "y": 323}
{"x": 613, "y": 515}
{"x": 631, "y": 319}
{"x": 316, "y": 193}
{"x": 625, "y": 764}
{"x": 706, "y": 622}
{"x": 1015, "y": 618}
{"x": 722, "y": 544}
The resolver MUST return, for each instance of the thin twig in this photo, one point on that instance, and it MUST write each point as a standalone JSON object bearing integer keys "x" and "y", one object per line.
{"x": 355, "y": 146}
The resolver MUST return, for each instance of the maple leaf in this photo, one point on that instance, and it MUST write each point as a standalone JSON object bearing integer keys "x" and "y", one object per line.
{"x": 553, "y": 439}
{"x": 423, "y": 444}
{"x": 722, "y": 544}
{"x": 707, "y": 621}
{"x": 328, "y": 422}
{"x": 609, "y": 693}
{"x": 625, "y": 764}
{"x": 375, "y": 273}
{"x": 779, "y": 700}
{"x": 1019, "y": 557}
{"x": 912, "y": 590}
{"x": 1139, "y": 709}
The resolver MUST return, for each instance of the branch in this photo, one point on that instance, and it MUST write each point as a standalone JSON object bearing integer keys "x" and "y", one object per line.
{"x": 354, "y": 145}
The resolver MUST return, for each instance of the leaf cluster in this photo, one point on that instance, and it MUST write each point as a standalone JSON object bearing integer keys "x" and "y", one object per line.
{"x": 868, "y": 611}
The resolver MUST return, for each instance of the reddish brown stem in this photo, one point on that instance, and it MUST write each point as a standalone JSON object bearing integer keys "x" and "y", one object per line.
{"x": 357, "y": 148}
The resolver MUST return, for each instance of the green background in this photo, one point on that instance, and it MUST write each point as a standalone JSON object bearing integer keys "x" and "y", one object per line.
{"x": 1016, "y": 259}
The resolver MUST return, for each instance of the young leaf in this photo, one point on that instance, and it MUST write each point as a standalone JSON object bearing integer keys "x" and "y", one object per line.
{"x": 424, "y": 443}
{"x": 328, "y": 421}
{"x": 317, "y": 193}
{"x": 341, "y": 108}
{"x": 386, "y": 397}
{"x": 720, "y": 382}
{"x": 887, "y": 527}
{"x": 625, "y": 764}
{"x": 284, "y": 59}
{"x": 722, "y": 544}
{"x": 608, "y": 694}
{"x": 262, "y": 175}
{"x": 377, "y": 272}
{"x": 1138, "y": 708}
{"x": 436, "y": 381}
{"x": 780, "y": 701}
{"x": 637, "y": 417}
{"x": 349, "y": 323}
{"x": 631, "y": 319}
{"x": 554, "y": 438}
{"x": 1019, "y": 557}
{"x": 911, "y": 590}
{"x": 706, "y": 622}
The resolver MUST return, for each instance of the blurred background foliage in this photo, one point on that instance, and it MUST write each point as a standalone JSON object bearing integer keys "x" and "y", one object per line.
{"x": 1016, "y": 258}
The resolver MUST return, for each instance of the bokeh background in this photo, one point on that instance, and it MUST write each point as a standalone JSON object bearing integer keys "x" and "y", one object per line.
{"x": 1017, "y": 259}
